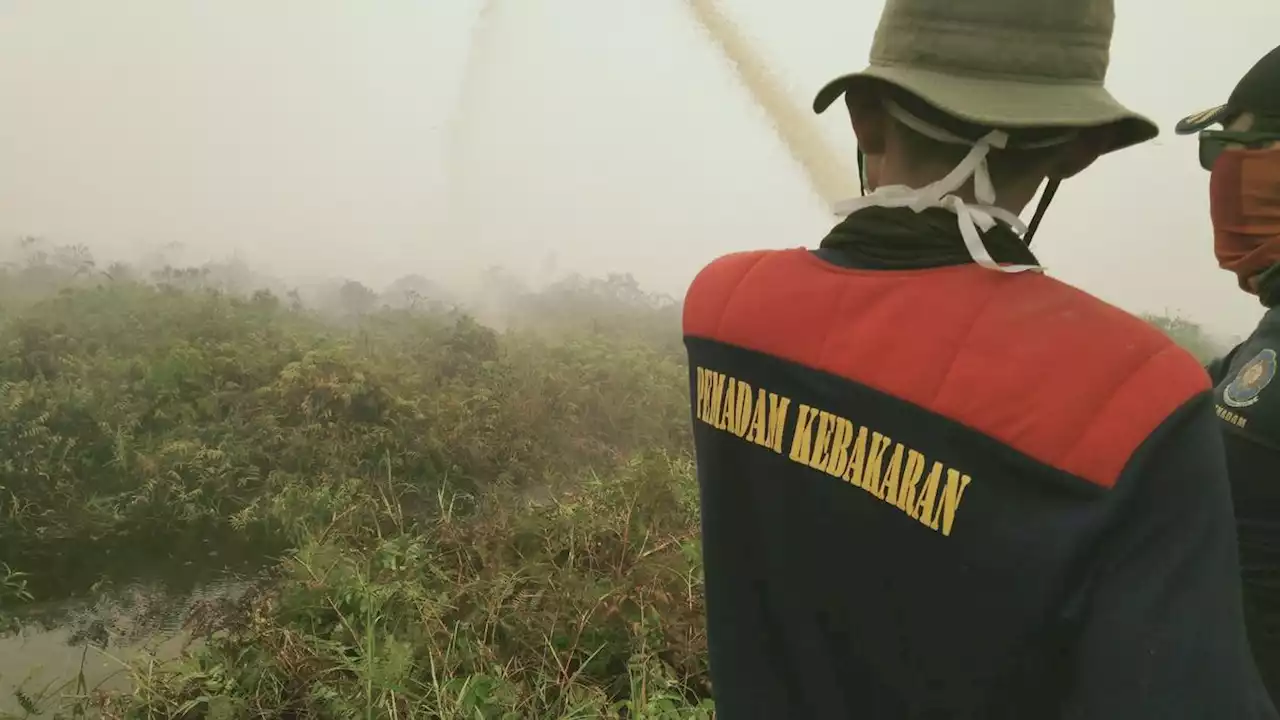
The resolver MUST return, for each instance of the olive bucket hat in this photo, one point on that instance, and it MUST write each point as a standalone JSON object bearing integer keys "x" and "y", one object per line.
{"x": 1005, "y": 64}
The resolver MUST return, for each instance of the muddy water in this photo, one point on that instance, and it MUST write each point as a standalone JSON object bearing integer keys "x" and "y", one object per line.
{"x": 99, "y": 608}
{"x": 60, "y": 645}
{"x": 68, "y": 648}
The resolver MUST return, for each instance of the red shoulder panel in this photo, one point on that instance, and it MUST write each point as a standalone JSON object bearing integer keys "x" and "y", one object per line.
{"x": 1037, "y": 364}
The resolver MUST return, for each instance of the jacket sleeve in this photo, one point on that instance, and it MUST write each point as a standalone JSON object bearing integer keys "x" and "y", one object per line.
{"x": 1162, "y": 633}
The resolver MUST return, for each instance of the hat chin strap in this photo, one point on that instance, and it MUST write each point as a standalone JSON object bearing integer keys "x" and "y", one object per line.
{"x": 972, "y": 219}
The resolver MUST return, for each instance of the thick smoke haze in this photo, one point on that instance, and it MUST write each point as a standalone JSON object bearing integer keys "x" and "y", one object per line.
{"x": 316, "y": 138}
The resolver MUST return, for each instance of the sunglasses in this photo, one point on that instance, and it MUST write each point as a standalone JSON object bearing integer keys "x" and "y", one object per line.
{"x": 1213, "y": 142}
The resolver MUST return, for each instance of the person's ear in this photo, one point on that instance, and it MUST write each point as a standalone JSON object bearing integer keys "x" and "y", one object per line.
{"x": 1081, "y": 152}
{"x": 869, "y": 120}
{"x": 1240, "y": 123}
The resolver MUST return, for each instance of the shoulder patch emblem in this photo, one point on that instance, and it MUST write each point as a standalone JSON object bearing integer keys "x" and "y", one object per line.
{"x": 1249, "y": 382}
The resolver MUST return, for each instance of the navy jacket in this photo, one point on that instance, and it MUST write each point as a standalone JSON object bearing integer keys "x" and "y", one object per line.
{"x": 931, "y": 490}
{"x": 1247, "y": 404}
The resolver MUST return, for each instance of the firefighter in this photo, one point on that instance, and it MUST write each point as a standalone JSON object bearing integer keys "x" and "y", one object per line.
{"x": 1243, "y": 158}
{"x": 935, "y": 482}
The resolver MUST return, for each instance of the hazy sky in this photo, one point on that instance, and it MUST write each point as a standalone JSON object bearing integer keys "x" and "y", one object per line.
{"x": 317, "y": 136}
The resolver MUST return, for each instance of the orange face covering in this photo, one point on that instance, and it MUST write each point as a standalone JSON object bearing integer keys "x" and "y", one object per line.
{"x": 1244, "y": 201}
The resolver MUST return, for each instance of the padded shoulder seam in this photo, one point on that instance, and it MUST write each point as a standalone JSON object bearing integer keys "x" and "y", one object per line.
{"x": 1131, "y": 379}
{"x": 1167, "y": 380}
{"x": 977, "y": 318}
{"x": 713, "y": 289}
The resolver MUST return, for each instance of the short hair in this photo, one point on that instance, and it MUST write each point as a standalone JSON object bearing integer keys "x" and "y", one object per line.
{"x": 1004, "y": 165}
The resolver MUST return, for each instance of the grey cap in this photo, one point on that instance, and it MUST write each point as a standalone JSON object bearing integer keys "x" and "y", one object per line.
{"x": 1001, "y": 63}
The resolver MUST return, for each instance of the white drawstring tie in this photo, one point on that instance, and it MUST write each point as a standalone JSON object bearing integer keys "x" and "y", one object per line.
{"x": 972, "y": 219}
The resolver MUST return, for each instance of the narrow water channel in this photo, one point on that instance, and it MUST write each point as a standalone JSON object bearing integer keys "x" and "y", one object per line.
{"x": 71, "y": 647}
{"x": 96, "y": 612}
{"x": 77, "y": 646}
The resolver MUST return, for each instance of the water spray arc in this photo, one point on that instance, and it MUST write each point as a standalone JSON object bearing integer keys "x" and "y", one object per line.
{"x": 480, "y": 51}
{"x": 830, "y": 179}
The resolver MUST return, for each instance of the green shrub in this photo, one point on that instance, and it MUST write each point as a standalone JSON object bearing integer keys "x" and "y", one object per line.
{"x": 470, "y": 522}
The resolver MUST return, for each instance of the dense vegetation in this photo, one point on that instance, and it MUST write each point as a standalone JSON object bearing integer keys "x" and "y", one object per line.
{"x": 459, "y": 522}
